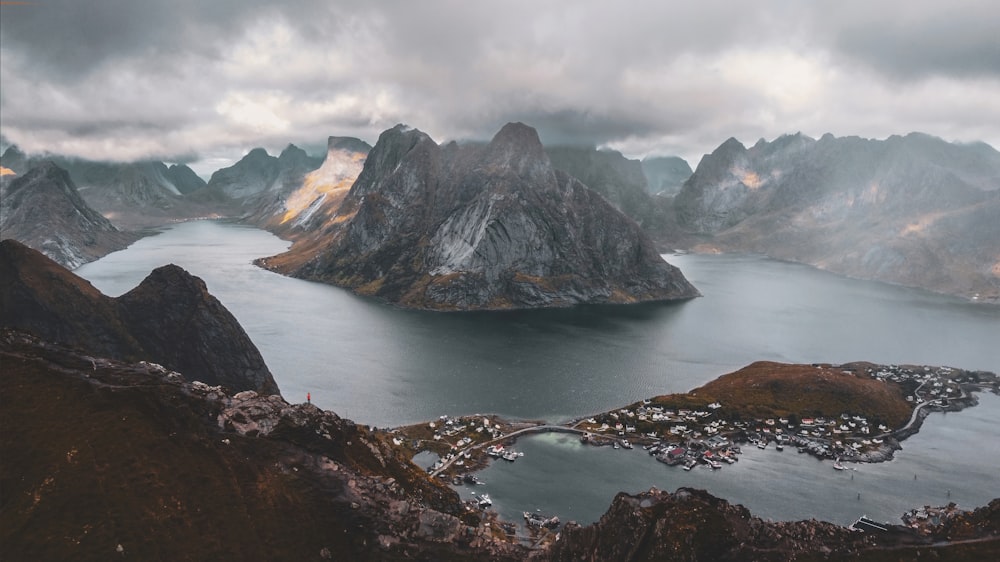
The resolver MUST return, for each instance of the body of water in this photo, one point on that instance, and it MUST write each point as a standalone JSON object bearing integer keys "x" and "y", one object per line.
{"x": 384, "y": 366}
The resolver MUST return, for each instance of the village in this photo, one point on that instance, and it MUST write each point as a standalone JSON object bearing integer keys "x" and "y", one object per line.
{"x": 711, "y": 435}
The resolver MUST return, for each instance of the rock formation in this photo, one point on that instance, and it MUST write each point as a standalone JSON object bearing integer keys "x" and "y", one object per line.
{"x": 912, "y": 210}
{"x": 170, "y": 319}
{"x": 480, "y": 227}
{"x": 43, "y": 209}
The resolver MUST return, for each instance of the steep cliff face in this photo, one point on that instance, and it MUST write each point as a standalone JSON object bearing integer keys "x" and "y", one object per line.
{"x": 170, "y": 319}
{"x": 44, "y": 210}
{"x": 912, "y": 210}
{"x": 306, "y": 203}
{"x": 481, "y": 227}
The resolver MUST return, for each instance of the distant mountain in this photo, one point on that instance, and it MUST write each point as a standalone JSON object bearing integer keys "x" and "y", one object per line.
{"x": 136, "y": 194}
{"x": 169, "y": 319}
{"x": 259, "y": 172}
{"x": 307, "y": 205}
{"x": 184, "y": 178}
{"x": 618, "y": 179}
{"x": 665, "y": 175}
{"x": 43, "y": 209}
{"x": 480, "y": 227}
{"x": 913, "y": 210}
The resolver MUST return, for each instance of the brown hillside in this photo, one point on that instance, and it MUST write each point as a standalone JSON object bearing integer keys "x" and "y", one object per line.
{"x": 768, "y": 389}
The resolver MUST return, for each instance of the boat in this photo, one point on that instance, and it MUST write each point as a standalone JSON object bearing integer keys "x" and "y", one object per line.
{"x": 485, "y": 501}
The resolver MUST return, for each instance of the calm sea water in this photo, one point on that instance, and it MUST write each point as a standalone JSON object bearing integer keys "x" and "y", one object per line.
{"x": 384, "y": 366}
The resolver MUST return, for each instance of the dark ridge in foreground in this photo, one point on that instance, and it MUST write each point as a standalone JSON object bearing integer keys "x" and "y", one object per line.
{"x": 480, "y": 227}
{"x": 170, "y": 319}
{"x": 105, "y": 459}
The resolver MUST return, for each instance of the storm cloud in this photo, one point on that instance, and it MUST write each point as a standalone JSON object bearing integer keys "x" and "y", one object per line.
{"x": 199, "y": 81}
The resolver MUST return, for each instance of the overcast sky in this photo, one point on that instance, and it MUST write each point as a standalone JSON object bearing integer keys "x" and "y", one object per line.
{"x": 203, "y": 81}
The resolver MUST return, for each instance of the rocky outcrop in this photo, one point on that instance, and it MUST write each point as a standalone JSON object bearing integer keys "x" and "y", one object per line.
{"x": 309, "y": 204}
{"x": 170, "y": 319}
{"x": 43, "y": 209}
{"x": 665, "y": 175}
{"x": 157, "y": 468}
{"x": 480, "y": 227}
{"x": 912, "y": 210}
{"x": 694, "y": 525}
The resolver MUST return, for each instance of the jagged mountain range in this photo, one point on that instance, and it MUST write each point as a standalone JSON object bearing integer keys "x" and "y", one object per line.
{"x": 170, "y": 318}
{"x": 480, "y": 227}
{"x": 43, "y": 209}
{"x": 913, "y": 210}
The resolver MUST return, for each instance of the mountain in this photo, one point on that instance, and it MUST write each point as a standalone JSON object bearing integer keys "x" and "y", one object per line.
{"x": 134, "y": 194}
{"x": 307, "y": 205}
{"x": 169, "y": 319}
{"x": 618, "y": 179}
{"x": 184, "y": 178}
{"x": 259, "y": 172}
{"x": 480, "y": 227}
{"x": 665, "y": 175}
{"x": 43, "y": 209}
{"x": 912, "y": 210}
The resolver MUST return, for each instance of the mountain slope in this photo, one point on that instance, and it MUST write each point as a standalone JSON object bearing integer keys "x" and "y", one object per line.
{"x": 170, "y": 319}
{"x": 480, "y": 227}
{"x": 308, "y": 204}
{"x": 912, "y": 210}
{"x": 44, "y": 210}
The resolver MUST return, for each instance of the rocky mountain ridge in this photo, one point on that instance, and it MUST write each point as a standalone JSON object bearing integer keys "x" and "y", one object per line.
{"x": 480, "y": 227}
{"x": 44, "y": 210}
{"x": 911, "y": 210}
{"x": 170, "y": 318}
